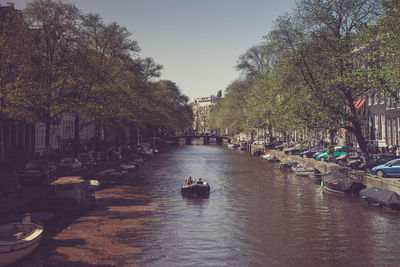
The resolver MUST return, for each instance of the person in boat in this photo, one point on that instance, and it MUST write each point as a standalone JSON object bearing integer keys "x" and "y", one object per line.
{"x": 189, "y": 180}
{"x": 200, "y": 181}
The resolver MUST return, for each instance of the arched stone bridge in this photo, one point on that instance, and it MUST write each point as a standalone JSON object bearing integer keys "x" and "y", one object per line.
{"x": 205, "y": 137}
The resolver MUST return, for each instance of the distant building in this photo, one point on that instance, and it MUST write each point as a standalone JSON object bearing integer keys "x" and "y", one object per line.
{"x": 201, "y": 112}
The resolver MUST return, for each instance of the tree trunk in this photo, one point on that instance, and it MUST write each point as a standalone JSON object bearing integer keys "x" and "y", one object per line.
{"x": 2, "y": 144}
{"x": 357, "y": 131}
{"x": 356, "y": 128}
{"x": 138, "y": 136}
{"x": 47, "y": 130}
{"x": 76, "y": 135}
{"x": 96, "y": 137}
{"x": 331, "y": 136}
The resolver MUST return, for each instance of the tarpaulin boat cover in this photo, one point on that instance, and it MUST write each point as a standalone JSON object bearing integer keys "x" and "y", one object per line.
{"x": 340, "y": 180}
{"x": 382, "y": 196}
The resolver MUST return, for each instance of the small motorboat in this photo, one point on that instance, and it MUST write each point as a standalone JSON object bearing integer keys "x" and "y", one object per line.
{"x": 381, "y": 197}
{"x": 72, "y": 194}
{"x": 287, "y": 166}
{"x": 127, "y": 166}
{"x": 109, "y": 176}
{"x": 269, "y": 157}
{"x": 340, "y": 183}
{"x": 302, "y": 170}
{"x": 199, "y": 188}
{"x": 17, "y": 240}
{"x": 233, "y": 145}
{"x": 94, "y": 185}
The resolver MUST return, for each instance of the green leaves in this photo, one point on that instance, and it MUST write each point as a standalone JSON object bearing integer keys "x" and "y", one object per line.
{"x": 70, "y": 62}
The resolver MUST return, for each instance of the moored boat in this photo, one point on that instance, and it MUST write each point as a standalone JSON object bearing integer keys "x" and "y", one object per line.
{"x": 270, "y": 157}
{"x": 73, "y": 194}
{"x": 233, "y": 145}
{"x": 340, "y": 183}
{"x": 287, "y": 166}
{"x": 381, "y": 197}
{"x": 199, "y": 188}
{"x": 302, "y": 170}
{"x": 17, "y": 240}
{"x": 109, "y": 176}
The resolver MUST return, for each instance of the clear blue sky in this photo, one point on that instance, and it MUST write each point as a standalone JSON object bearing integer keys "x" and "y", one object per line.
{"x": 198, "y": 42}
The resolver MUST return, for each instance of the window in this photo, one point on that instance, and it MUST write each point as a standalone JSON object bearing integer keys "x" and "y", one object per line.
{"x": 376, "y": 127}
{"x": 383, "y": 129}
{"x": 396, "y": 163}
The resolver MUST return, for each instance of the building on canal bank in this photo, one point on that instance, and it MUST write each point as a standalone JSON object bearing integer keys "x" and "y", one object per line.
{"x": 201, "y": 113}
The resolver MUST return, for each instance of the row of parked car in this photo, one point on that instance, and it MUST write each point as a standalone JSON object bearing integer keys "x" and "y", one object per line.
{"x": 381, "y": 165}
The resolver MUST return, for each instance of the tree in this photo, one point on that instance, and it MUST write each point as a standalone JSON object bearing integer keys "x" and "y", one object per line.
{"x": 15, "y": 57}
{"x": 57, "y": 24}
{"x": 230, "y": 112}
{"x": 320, "y": 41}
{"x": 103, "y": 68}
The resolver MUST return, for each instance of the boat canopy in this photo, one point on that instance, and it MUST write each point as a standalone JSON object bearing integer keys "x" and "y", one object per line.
{"x": 338, "y": 179}
{"x": 382, "y": 196}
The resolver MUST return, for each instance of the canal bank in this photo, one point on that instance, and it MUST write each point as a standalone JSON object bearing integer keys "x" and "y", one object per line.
{"x": 369, "y": 180}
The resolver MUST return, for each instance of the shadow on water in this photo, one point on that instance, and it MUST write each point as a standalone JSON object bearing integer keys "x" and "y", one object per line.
{"x": 125, "y": 202}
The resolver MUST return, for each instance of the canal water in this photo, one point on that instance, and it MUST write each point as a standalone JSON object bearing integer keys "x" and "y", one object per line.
{"x": 256, "y": 215}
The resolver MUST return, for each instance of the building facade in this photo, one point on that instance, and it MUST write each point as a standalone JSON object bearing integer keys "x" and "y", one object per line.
{"x": 383, "y": 122}
{"x": 62, "y": 135}
{"x": 201, "y": 113}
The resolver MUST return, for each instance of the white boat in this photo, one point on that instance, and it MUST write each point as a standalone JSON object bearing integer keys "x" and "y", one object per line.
{"x": 17, "y": 240}
{"x": 128, "y": 166}
{"x": 94, "y": 185}
{"x": 270, "y": 157}
{"x": 233, "y": 145}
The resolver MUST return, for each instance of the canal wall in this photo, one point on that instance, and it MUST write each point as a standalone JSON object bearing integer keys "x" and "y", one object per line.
{"x": 368, "y": 180}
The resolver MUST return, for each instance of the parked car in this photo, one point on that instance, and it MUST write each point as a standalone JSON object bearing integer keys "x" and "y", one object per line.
{"x": 339, "y": 150}
{"x": 273, "y": 144}
{"x": 259, "y": 142}
{"x": 284, "y": 145}
{"x": 367, "y": 167}
{"x": 87, "y": 160}
{"x": 319, "y": 152}
{"x": 69, "y": 166}
{"x": 349, "y": 159}
{"x": 389, "y": 169}
{"x": 310, "y": 152}
{"x": 295, "y": 150}
{"x": 37, "y": 171}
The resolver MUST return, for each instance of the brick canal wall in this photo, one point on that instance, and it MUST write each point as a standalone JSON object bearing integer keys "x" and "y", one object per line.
{"x": 368, "y": 180}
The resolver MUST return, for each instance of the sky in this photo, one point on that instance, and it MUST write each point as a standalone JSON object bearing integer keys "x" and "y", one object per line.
{"x": 198, "y": 42}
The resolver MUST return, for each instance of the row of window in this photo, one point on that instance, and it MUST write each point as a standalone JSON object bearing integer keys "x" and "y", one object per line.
{"x": 389, "y": 103}
{"x": 379, "y": 130}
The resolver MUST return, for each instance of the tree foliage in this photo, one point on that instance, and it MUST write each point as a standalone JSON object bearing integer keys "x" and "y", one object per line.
{"x": 69, "y": 62}
{"x": 313, "y": 67}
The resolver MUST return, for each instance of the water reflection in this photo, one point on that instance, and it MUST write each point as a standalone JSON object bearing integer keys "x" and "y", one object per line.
{"x": 256, "y": 215}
